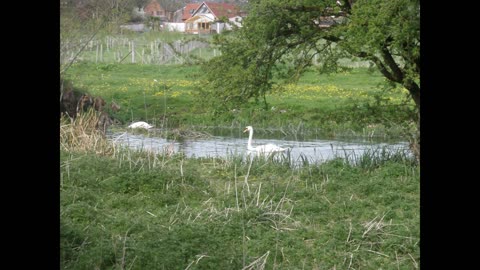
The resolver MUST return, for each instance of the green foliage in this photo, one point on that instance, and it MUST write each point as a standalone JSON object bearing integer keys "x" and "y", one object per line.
{"x": 393, "y": 25}
{"x": 281, "y": 39}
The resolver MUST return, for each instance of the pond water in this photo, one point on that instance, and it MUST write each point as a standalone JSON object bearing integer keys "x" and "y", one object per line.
{"x": 225, "y": 143}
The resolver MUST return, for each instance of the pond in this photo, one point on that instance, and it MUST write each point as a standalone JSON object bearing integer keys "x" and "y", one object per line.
{"x": 227, "y": 142}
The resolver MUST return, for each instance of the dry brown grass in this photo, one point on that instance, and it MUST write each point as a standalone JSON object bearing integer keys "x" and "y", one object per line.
{"x": 81, "y": 135}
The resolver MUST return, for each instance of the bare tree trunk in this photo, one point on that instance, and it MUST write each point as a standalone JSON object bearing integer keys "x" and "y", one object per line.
{"x": 414, "y": 90}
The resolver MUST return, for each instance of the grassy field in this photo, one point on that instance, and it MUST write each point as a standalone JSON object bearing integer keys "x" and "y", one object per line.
{"x": 134, "y": 210}
{"x": 350, "y": 103}
{"x": 122, "y": 209}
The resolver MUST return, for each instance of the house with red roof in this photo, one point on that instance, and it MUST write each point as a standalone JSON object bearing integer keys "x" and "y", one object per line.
{"x": 210, "y": 17}
{"x": 181, "y": 15}
{"x": 154, "y": 9}
{"x": 188, "y": 10}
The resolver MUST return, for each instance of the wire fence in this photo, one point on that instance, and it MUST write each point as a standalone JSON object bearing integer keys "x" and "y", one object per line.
{"x": 154, "y": 51}
{"x": 128, "y": 50}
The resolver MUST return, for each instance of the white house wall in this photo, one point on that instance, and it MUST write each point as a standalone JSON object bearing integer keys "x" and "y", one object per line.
{"x": 178, "y": 27}
{"x": 191, "y": 25}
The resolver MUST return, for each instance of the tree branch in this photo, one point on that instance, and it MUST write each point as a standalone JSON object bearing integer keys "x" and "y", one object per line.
{"x": 304, "y": 8}
{"x": 396, "y": 72}
{"x": 414, "y": 91}
{"x": 382, "y": 68}
{"x": 378, "y": 62}
{"x": 83, "y": 47}
{"x": 417, "y": 64}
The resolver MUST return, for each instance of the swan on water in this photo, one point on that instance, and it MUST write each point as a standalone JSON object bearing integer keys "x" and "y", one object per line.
{"x": 265, "y": 149}
{"x": 140, "y": 124}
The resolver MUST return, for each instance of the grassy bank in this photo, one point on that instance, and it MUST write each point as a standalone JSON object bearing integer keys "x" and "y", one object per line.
{"x": 351, "y": 103}
{"x": 133, "y": 210}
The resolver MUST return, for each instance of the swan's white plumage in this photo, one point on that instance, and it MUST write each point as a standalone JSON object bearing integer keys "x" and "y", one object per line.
{"x": 140, "y": 124}
{"x": 266, "y": 149}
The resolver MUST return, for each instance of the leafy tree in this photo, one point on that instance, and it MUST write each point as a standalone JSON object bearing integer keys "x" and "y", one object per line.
{"x": 172, "y": 5}
{"x": 283, "y": 37}
{"x": 141, "y": 3}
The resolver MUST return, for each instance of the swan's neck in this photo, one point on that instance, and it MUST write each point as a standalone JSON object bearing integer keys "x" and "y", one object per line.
{"x": 249, "y": 144}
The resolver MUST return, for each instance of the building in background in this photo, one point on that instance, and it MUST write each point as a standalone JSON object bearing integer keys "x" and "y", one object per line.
{"x": 210, "y": 17}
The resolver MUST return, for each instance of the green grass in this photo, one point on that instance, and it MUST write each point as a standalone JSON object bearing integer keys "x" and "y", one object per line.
{"x": 125, "y": 209}
{"x": 351, "y": 103}
{"x": 356, "y": 78}
{"x": 141, "y": 211}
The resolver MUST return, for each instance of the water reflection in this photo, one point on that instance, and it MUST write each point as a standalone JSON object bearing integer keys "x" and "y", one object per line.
{"x": 315, "y": 150}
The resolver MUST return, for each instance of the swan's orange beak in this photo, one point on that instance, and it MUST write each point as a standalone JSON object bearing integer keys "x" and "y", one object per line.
{"x": 246, "y": 129}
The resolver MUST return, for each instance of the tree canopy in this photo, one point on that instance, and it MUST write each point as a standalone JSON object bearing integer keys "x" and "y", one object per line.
{"x": 283, "y": 37}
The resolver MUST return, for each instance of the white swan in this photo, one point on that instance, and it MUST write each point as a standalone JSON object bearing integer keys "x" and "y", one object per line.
{"x": 266, "y": 149}
{"x": 140, "y": 124}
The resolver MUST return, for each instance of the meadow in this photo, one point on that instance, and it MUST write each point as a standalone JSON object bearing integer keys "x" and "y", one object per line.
{"x": 353, "y": 103}
{"x": 126, "y": 209}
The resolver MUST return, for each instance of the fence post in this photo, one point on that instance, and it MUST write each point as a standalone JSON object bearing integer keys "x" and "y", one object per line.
{"x": 161, "y": 54}
{"x": 133, "y": 52}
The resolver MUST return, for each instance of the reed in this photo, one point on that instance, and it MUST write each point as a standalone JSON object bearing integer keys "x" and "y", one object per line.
{"x": 82, "y": 135}
{"x": 375, "y": 157}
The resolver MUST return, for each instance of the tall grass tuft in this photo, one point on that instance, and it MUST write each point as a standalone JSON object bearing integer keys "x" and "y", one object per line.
{"x": 81, "y": 135}
{"x": 375, "y": 157}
